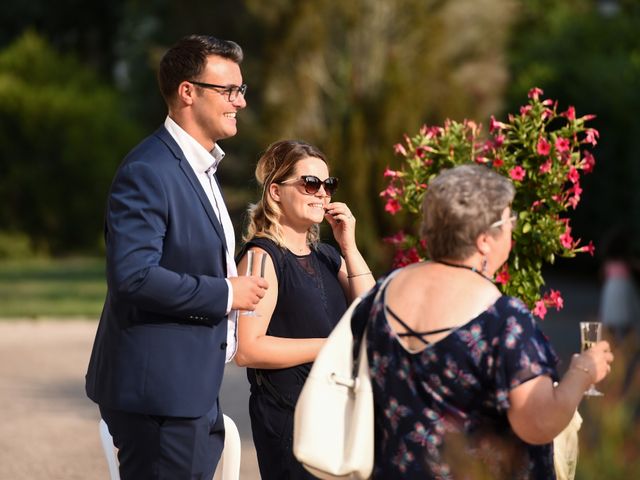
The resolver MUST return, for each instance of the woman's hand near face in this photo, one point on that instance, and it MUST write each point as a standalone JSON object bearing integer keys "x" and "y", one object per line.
{"x": 343, "y": 225}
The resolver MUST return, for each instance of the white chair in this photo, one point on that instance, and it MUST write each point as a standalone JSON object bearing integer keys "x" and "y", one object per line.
{"x": 109, "y": 451}
{"x": 228, "y": 467}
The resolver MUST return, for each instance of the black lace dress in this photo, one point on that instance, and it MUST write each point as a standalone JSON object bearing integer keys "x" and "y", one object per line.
{"x": 310, "y": 303}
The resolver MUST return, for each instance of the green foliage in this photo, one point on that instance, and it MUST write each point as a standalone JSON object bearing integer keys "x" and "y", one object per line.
{"x": 52, "y": 288}
{"x": 543, "y": 151}
{"x": 62, "y": 134}
{"x": 15, "y": 245}
{"x": 586, "y": 55}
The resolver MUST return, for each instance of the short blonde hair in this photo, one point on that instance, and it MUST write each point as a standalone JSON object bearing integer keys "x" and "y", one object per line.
{"x": 277, "y": 164}
{"x": 460, "y": 204}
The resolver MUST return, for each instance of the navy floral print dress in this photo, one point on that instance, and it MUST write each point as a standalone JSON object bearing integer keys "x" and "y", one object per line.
{"x": 441, "y": 412}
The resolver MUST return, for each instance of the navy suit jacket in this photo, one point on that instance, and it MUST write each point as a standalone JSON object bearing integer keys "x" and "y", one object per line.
{"x": 160, "y": 344}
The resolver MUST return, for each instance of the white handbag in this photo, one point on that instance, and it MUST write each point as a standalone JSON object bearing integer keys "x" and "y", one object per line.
{"x": 565, "y": 449}
{"x": 333, "y": 420}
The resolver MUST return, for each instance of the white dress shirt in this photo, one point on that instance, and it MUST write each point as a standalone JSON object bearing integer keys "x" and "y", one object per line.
{"x": 205, "y": 165}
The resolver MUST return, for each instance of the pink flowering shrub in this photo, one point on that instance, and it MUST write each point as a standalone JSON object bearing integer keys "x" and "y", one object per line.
{"x": 543, "y": 151}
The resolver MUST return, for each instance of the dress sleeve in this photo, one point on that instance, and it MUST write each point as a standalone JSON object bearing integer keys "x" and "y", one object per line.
{"x": 522, "y": 352}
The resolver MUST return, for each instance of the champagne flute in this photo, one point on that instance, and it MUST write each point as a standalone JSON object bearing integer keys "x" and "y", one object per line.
{"x": 262, "y": 260}
{"x": 590, "y": 334}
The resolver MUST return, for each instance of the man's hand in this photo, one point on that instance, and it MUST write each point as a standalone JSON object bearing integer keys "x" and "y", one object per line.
{"x": 247, "y": 292}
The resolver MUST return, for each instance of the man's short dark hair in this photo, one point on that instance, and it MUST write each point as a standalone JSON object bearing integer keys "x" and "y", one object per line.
{"x": 187, "y": 59}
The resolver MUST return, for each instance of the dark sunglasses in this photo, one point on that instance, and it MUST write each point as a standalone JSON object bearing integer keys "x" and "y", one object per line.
{"x": 312, "y": 184}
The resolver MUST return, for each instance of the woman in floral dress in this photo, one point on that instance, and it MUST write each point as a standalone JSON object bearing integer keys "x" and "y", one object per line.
{"x": 463, "y": 377}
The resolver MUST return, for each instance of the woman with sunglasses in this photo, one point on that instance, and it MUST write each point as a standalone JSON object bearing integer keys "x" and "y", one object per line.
{"x": 311, "y": 284}
{"x": 462, "y": 377}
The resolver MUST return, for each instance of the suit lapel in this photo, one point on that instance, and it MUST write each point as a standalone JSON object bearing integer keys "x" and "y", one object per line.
{"x": 193, "y": 180}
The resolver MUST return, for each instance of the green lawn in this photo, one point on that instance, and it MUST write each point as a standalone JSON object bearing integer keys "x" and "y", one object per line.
{"x": 73, "y": 287}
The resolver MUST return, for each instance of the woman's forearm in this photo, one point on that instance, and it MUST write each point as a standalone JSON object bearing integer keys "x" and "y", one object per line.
{"x": 266, "y": 351}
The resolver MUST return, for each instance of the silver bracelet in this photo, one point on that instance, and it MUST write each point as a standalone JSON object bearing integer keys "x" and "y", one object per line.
{"x": 358, "y": 274}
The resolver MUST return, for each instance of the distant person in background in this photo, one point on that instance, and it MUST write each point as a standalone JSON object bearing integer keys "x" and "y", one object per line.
{"x": 159, "y": 353}
{"x": 311, "y": 285}
{"x": 619, "y": 300}
{"x": 463, "y": 378}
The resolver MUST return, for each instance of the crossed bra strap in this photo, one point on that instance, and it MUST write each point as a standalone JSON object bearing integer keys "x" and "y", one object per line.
{"x": 411, "y": 332}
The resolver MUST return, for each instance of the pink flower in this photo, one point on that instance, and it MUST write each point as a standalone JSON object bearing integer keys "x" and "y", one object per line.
{"x": 592, "y": 136}
{"x": 540, "y": 310}
{"x": 544, "y": 147}
{"x": 546, "y": 167}
{"x": 473, "y": 126}
{"x": 524, "y": 110}
{"x": 536, "y": 204}
{"x": 503, "y": 276}
{"x": 588, "y": 162}
{"x": 396, "y": 239}
{"x": 406, "y": 257}
{"x": 570, "y": 113}
{"x": 591, "y": 249}
{"x": 391, "y": 191}
{"x": 433, "y": 132}
{"x": 498, "y": 141}
{"x": 562, "y": 144}
{"x": 555, "y": 298}
{"x": 482, "y": 160}
{"x": 399, "y": 149}
{"x": 497, "y": 162}
{"x": 547, "y": 113}
{"x": 535, "y": 93}
{"x": 392, "y": 206}
{"x": 495, "y": 125}
{"x": 566, "y": 239}
{"x": 390, "y": 173}
{"x": 573, "y": 175}
{"x": 487, "y": 146}
{"x": 422, "y": 150}
{"x": 575, "y": 199}
{"x": 517, "y": 173}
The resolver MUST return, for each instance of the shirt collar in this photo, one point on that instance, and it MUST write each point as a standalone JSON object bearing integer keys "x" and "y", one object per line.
{"x": 201, "y": 160}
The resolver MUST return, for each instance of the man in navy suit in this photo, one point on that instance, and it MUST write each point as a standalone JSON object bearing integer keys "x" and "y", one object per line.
{"x": 163, "y": 338}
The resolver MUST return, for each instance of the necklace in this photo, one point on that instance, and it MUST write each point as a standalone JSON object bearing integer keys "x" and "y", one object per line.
{"x": 466, "y": 267}
{"x": 299, "y": 250}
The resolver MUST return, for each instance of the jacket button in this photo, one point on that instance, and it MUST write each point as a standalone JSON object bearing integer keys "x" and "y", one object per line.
{"x": 223, "y": 346}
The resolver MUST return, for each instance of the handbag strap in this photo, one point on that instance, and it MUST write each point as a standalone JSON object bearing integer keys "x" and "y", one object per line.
{"x": 362, "y": 314}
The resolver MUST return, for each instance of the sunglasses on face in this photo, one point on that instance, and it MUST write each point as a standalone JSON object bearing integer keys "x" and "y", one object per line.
{"x": 312, "y": 184}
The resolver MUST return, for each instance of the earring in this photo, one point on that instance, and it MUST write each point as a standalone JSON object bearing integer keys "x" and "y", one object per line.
{"x": 484, "y": 265}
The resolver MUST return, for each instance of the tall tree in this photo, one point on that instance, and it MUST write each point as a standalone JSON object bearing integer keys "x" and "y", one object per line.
{"x": 62, "y": 134}
{"x": 353, "y": 77}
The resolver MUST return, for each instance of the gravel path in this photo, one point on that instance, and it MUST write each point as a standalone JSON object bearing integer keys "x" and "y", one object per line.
{"x": 48, "y": 427}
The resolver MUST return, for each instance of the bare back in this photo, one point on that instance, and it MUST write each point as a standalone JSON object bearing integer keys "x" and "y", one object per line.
{"x": 434, "y": 297}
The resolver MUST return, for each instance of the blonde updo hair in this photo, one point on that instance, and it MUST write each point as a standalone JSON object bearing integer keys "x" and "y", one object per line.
{"x": 276, "y": 165}
{"x": 460, "y": 204}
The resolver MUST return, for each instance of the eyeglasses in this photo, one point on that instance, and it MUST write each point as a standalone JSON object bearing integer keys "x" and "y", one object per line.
{"x": 231, "y": 91}
{"x": 312, "y": 184}
{"x": 513, "y": 219}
